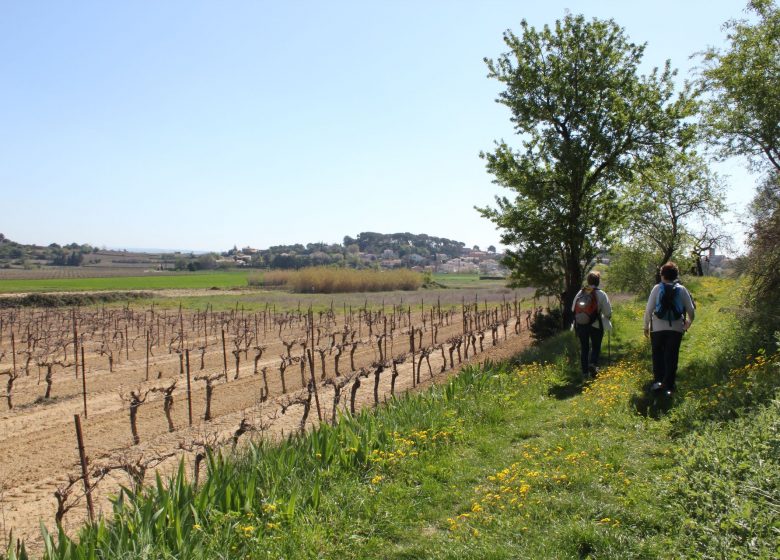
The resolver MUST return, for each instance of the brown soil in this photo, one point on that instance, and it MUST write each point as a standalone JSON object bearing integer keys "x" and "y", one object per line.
{"x": 38, "y": 440}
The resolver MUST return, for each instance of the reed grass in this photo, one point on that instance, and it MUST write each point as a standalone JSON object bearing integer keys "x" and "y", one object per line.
{"x": 326, "y": 280}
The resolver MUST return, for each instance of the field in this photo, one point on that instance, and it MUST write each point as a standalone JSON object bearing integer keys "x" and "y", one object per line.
{"x": 79, "y": 279}
{"x": 249, "y": 359}
{"x": 75, "y": 279}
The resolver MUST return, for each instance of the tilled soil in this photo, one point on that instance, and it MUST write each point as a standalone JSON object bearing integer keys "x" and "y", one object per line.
{"x": 38, "y": 440}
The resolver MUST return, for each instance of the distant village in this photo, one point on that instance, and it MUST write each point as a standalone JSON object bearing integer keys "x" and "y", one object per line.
{"x": 469, "y": 261}
{"x": 417, "y": 252}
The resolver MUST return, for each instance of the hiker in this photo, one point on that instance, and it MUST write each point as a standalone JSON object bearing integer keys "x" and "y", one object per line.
{"x": 592, "y": 314}
{"x": 668, "y": 314}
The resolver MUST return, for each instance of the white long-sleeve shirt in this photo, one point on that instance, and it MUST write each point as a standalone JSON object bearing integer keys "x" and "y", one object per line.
{"x": 655, "y": 324}
{"x": 605, "y": 308}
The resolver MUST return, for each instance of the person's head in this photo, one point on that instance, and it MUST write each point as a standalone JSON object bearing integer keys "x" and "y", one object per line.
{"x": 594, "y": 278}
{"x": 669, "y": 272}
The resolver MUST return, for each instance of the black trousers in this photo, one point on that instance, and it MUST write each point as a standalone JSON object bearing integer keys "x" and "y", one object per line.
{"x": 590, "y": 345}
{"x": 666, "y": 351}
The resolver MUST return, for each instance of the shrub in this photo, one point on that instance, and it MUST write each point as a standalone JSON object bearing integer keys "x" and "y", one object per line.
{"x": 545, "y": 325}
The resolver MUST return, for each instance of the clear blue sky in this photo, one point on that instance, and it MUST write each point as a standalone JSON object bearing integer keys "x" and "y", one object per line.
{"x": 197, "y": 125}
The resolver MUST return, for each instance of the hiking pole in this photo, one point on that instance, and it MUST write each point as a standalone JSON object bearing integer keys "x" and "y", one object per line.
{"x": 609, "y": 347}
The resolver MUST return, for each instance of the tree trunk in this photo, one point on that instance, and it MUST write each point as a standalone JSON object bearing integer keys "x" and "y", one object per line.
{"x": 134, "y": 423}
{"x": 168, "y": 407}
{"x": 355, "y": 387}
{"x": 49, "y": 379}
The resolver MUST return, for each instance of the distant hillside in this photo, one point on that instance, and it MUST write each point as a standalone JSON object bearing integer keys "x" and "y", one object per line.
{"x": 367, "y": 249}
{"x": 389, "y": 250}
{"x": 13, "y": 253}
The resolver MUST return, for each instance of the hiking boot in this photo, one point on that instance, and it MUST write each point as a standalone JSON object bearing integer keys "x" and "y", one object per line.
{"x": 656, "y": 386}
{"x": 593, "y": 370}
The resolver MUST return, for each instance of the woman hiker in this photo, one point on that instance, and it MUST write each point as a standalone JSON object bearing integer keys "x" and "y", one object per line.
{"x": 668, "y": 314}
{"x": 592, "y": 313}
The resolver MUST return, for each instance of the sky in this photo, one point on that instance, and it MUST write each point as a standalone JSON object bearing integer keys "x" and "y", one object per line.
{"x": 202, "y": 125}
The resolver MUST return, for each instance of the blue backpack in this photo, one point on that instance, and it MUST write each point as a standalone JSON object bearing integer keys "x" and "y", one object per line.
{"x": 668, "y": 304}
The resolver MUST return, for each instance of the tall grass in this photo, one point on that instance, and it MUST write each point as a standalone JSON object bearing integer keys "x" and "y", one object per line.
{"x": 324, "y": 280}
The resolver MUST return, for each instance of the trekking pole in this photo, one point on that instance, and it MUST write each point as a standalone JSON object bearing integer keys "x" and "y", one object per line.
{"x": 609, "y": 347}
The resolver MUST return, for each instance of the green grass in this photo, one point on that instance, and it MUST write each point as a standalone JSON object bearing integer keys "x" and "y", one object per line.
{"x": 184, "y": 280}
{"x": 464, "y": 280}
{"x": 509, "y": 461}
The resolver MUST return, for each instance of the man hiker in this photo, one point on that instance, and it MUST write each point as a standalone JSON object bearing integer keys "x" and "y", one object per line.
{"x": 668, "y": 314}
{"x": 592, "y": 313}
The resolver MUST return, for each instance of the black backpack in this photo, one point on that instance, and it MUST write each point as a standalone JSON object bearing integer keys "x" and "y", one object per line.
{"x": 668, "y": 303}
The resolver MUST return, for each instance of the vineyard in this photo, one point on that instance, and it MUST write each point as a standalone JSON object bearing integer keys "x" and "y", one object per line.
{"x": 152, "y": 385}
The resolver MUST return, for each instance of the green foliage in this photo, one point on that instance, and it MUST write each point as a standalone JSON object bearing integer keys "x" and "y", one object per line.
{"x": 70, "y": 255}
{"x": 203, "y": 262}
{"x": 546, "y": 325}
{"x": 410, "y": 248}
{"x": 728, "y": 484}
{"x": 404, "y": 244}
{"x": 588, "y": 120}
{"x": 668, "y": 198}
{"x": 70, "y": 300}
{"x": 632, "y": 268}
{"x": 764, "y": 258}
{"x": 743, "y": 110}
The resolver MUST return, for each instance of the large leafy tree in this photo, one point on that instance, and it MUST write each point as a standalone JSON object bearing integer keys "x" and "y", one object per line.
{"x": 742, "y": 113}
{"x": 670, "y": 198}
{"x": 586, "y": 119}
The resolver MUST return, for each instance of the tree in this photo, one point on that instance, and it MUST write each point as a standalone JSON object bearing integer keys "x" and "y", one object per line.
{"x": 743, "y": 110}
{"x": 587, "y": 119}
{"x": 632, "y": 267}
{"x": 491, "y": 249}
{"x": 742, "y": 117}
{"x": 709, "y": 237}
{"x": 764, "y": 243}
{"x": 668, "y": 195}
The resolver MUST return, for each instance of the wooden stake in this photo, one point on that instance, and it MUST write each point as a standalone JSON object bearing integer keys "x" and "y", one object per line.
{"x": 310, "y": 352}
{"x": 189, "y": 385}
{"x": 84, "y": 469}
{"x": 224, "y": 356}
{"x": 84, "y": 381}
{"x": 75, "y": 345}
{"x": 147, "y": 354}
{"x": 13, "y": 350}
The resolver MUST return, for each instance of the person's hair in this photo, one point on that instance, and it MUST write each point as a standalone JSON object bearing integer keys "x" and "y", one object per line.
{"x": 669, "y": 271}
{"x": 594, "y": 278}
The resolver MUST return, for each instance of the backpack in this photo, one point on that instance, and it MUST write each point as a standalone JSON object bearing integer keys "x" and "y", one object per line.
{"x": 667, "y": 304}
{"x": 586, "y": 307}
